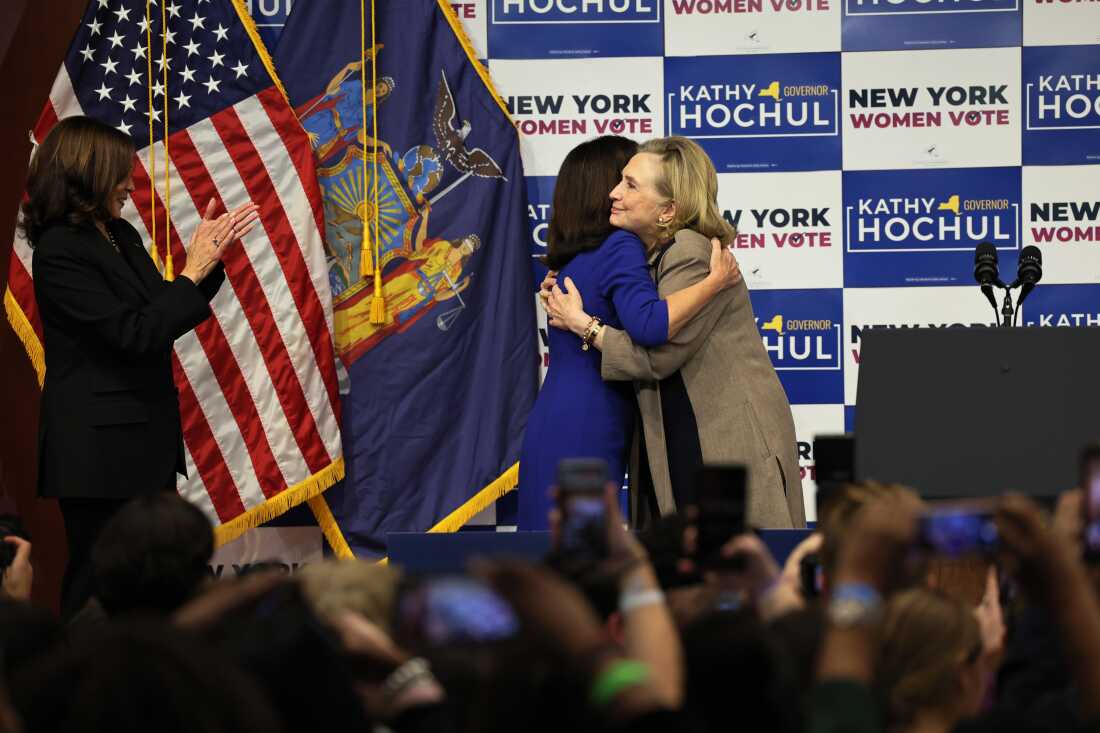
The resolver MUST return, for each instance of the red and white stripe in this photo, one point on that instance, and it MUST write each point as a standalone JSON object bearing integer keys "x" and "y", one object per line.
{"x": 258, "y": 381}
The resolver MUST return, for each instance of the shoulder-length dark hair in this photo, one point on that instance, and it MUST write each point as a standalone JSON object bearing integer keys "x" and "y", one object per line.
{"x": 579, "y": 221}
{"x": 73, "y": 173}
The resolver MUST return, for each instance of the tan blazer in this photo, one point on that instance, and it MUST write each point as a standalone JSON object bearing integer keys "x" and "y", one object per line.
{"x": 740, "y": 407}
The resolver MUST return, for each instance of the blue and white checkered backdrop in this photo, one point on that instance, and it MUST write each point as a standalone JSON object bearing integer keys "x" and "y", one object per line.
{"x": 864, "y": 147}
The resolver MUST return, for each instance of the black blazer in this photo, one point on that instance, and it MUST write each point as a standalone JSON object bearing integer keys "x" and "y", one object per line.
{"x": 110, "y": 420}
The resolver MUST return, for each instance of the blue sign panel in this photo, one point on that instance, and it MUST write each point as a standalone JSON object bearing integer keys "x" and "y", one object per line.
{"x": 1062, "y": 305}
{"x": 921, "y": 227}
{"x": 270, "y": 17}
{"x": 540, "y": 196}
{"x": 1061, "y": 105}
{"x": 776, "y": 112}
{"x": 801, "y": 330}
{"x": 912, "y": 25}
{"x": 535, "y": 29}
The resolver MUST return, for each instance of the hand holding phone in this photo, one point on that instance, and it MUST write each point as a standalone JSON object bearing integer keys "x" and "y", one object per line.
{"x": 581, "y": 485}
{"x": 720, "y": 515}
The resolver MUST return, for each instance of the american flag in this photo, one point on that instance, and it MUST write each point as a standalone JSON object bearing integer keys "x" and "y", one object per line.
{"x": 258, "y": 380}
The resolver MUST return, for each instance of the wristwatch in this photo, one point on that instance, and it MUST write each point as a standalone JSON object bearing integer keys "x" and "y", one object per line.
{"x": 854, "y": 605}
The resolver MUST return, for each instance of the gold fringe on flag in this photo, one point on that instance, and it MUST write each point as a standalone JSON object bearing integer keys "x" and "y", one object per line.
{"x": 25, "y": 331}
{"x": 285, "y": 500}
{"x": 500, "y": 486}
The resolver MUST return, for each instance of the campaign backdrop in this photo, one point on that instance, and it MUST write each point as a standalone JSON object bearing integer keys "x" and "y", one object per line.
{"x": 864, "y": 148}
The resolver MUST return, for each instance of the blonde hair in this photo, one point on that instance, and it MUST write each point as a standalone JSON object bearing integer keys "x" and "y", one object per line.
{"x": 925, "y": 636}
{"x": 688, "y": 178}
{"x": 334, "y": 586}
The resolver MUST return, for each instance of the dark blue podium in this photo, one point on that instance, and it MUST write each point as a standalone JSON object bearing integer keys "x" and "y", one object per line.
{"x": 419, "y": 552}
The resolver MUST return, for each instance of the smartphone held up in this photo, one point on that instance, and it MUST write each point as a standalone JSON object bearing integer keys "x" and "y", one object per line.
{"x": 581, "y": 484}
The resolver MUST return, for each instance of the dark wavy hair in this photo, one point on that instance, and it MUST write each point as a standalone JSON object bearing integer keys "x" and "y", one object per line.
{"x": 152, "y": 555}
{"x": 579, "y": 221}
{"x": 73, "y": 173}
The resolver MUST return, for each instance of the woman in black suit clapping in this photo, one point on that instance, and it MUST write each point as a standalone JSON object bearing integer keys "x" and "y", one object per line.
{"x": 109, "y": 422}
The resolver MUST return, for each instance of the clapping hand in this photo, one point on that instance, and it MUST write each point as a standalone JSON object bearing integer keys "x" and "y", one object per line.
{"x": 214, "y": 235}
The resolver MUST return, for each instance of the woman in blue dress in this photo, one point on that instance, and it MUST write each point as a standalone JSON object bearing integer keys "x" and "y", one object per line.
{"x": 577, "y": 414}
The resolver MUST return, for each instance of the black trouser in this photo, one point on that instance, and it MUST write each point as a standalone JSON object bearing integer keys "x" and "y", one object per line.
{"x": 84, "y": 519}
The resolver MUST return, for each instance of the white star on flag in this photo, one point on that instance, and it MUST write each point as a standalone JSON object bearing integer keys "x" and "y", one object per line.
{"x": 115, "y": 39}
{"x": 109, "y": 66}
{"x": 221, "y": 32}
{"x": 196, "y": 21}
{"x": 104, "y": 91}
{"x": 183, "y": 100}
{"x": 241, "y": 69}
{"x": 211, "y": 85}
{"x": 216, "y": 59}
{"x": 188, "y": 74}
{"x": 128, "y": 104}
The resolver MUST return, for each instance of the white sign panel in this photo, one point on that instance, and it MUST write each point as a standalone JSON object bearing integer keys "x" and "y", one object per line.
{"x": 790, "y": 228}
{"x": 920, "y": 109}
{"x": 557, "y": 104}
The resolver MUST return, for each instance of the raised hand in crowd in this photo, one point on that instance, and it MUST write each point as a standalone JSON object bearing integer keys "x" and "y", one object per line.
{"x": 1051, "y": 573}
{"x": 405, "y": 684}
{"x": 991, "y": 623}
{"x": 756, "y": 576}
{"x": 213, "y": 236}
{"x": 19, "y": 575}
{"x": 1069, "y": 517}
{"x": 872, "y": 561}
{"x": 792, "y": 567}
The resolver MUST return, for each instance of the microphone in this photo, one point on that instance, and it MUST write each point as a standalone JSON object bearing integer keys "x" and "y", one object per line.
{"x": 1029, "y": 271}
{"x": 985, "y": 265}
{"x": 985, "y": 271}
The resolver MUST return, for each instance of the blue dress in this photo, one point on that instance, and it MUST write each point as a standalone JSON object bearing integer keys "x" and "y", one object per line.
{"x": 577, "y": 414}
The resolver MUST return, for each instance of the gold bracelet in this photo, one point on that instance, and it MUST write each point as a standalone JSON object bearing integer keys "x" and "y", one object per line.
{"x": 590, "y": 333}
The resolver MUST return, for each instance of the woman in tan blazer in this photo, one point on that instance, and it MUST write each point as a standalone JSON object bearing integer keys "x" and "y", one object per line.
{"x": 710, "y": 395}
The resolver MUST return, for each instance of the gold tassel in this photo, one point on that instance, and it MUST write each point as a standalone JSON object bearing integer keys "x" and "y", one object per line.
{"x": 377, "y": 302}
{"x": 366, "y": 255}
